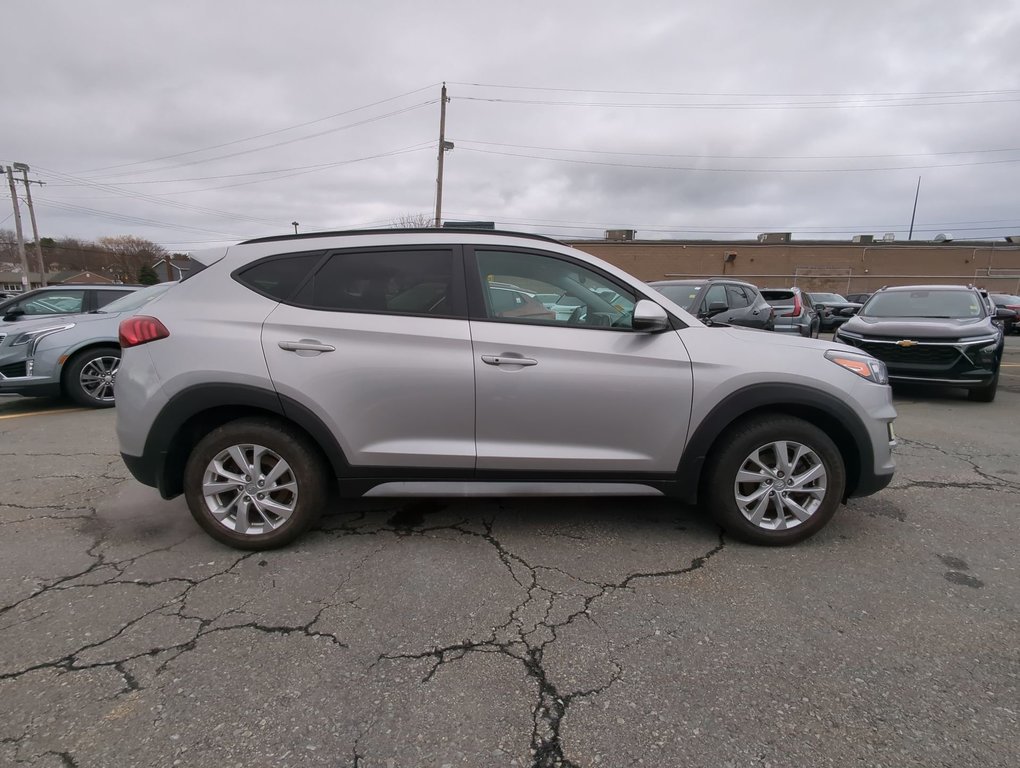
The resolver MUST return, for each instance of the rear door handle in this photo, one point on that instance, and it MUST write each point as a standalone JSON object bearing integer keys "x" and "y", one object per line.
{"x": 507, "y": 360}
{"x": 306, "y": 345}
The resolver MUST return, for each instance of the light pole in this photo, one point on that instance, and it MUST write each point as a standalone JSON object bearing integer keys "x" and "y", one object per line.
{"x": 294, "y": 223}
{"x": 31, "y": 215}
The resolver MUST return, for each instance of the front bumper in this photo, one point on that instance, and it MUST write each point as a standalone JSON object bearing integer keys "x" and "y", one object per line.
{"x": 936, "y": 362}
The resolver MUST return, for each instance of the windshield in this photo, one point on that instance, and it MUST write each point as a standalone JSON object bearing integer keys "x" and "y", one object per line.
{"x": 684, "y": 295}
{"x": 936, "y": 303}
{"x": 828, "y": 298}
{"x": 136, "y": 299}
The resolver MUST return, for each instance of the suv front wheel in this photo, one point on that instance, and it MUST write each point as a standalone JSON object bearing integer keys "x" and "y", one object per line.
{"x": 255, "y": 483}
{"x": 776, "y": 480}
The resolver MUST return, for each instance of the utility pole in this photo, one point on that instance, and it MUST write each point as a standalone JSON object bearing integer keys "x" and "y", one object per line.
{"x": 910, "y": 235}
{"x": 25, "y": 282}
{"x": 444, "y": 147}
{"x": 31, "y": 214}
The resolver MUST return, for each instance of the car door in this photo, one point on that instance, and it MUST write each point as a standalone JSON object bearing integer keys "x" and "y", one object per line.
{"x": 741, "y": 310}
{"x": 376, "y": 343}
{"x": 584, "y": 393}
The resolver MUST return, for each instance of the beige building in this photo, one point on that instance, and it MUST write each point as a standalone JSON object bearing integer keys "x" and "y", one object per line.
{"x": 777, "y": 260}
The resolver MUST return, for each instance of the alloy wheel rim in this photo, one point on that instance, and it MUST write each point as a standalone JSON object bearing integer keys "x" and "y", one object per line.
{"x": 780, "y": 485}
{"x": 98, "y": 376}
{"x": 249, "y": 489}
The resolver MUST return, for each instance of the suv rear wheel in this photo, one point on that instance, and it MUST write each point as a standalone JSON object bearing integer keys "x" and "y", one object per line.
{"x": 776, "y": 480}
{"x": 255, "y": 483}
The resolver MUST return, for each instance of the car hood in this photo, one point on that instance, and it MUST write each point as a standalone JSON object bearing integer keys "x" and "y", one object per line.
{"x": 919, "y": 327}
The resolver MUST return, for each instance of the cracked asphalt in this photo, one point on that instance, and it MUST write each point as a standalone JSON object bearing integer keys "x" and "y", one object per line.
{"x": 605, "y": 632}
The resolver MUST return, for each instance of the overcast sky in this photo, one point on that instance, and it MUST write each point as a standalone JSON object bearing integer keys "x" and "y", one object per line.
{"x": 199, "y": 123}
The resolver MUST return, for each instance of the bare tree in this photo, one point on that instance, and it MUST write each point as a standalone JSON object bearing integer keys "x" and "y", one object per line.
{"x": 413, "y": 221}
{"x": 127, "y": 254}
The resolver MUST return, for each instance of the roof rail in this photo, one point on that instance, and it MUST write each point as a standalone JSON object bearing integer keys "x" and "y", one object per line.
{"x": 400, "y": 231}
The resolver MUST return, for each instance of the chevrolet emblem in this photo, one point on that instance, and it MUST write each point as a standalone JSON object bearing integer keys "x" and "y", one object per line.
{"x": 907, "y": 343}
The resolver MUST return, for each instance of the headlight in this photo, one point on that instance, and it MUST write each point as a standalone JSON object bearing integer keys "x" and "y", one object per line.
{"x": 32, "y": 338}
{"x": 866, "y": 367}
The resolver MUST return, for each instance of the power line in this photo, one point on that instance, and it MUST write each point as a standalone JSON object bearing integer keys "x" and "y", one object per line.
{"x": 131, "y": 219}
{"x": 1010, "y": 224}
{"x": 461, "y": 142}
{"x": 262, "y": 135}
{"x": 802, "y": 94}
{"x": 735, "y": 170}
{"x": 299, "y": 168}
{"x": 735, "y": 106}
{"x": 280, "y": 143}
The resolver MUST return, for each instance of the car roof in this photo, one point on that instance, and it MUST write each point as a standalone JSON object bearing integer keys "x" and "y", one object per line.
{"x": 402, "y": 231}
{"x": 901, "y": 288}
{"x": 702, "y": 280}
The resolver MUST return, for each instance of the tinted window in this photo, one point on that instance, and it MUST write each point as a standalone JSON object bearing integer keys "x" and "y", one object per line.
{"x": 534, "y": 288}
{"x": 105, "y": 297}
{"x": 828, "y": 298}
{"x": 415, "y": 282}
{"x": 778, "y": 298}
{"x": 279, "y": 277}
{"x": 738, "y": 297}
{"x": 937, "y": 303}
{"x": 716, "y": 295}
{"x": 53, "y": 303}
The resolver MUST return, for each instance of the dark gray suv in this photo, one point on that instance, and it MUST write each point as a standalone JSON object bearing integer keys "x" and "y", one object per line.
{"x": 719, "y": 300}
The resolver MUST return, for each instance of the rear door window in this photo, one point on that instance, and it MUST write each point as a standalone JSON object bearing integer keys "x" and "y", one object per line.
{"x": 408, "y": 282}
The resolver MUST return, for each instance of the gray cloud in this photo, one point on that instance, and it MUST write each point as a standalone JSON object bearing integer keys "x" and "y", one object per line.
{"x": 114, "y": 83}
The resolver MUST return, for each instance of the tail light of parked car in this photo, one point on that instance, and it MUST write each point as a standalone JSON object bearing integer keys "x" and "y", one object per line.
{"x": 141, "y": 329}
{"x": 795, "y": 312}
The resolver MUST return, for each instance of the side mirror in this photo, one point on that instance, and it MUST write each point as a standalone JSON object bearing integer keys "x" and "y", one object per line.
{"x": 849, "y": 311}
{"x": 649, "y": 316}
{"x": 1001, "y": 313}
{"x": 14, "y": 314}
{"x": 716, "y": 307}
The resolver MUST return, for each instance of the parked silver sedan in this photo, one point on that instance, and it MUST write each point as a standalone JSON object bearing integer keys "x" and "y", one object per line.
{"x": 74, "y": 356}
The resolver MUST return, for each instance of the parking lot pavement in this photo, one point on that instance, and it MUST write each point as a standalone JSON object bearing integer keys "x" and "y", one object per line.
{"x": 605, "y": 632}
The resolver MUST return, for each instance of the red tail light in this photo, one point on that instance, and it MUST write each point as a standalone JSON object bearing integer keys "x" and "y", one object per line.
{"x": 141, "y": 329}
{"x": 796, "y": 307}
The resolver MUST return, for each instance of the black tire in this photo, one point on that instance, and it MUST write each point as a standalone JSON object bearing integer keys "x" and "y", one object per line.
{"x": 98, "y": 393}
{"x": 757, "y": 433}
{"x": 307, "y": 471}
{"x": 984, "y": 394}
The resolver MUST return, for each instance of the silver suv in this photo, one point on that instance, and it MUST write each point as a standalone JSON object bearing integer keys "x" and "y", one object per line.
{"x": 386, "y": 363}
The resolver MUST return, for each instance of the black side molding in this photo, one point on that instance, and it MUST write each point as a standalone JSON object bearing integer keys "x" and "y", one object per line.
{"x": 837, "y": 418}
{"x": 176, "y": 429}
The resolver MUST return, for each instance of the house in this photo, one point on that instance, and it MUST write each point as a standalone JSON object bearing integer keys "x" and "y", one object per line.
{"x": 178, "y": 265}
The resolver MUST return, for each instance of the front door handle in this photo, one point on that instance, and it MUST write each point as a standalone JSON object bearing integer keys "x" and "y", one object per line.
{"x": 306, "y": 345}
{"x": 508, "y": 360}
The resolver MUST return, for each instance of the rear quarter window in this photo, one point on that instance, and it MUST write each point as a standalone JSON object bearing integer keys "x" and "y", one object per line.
{"x": 278, "y": 277}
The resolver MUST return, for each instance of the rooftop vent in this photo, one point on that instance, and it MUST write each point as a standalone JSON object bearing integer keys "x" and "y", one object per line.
{"x": 1015, "y": 239}
{"x": 620, "y": 234}
{"x": 889, "y": 237}
{"x": 864, "y": 238}
{"x": 944, "y": 237}
{"x": 774, "y": 237}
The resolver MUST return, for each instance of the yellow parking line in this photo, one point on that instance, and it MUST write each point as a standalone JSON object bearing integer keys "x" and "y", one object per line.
{"x": 42, "y": 413}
